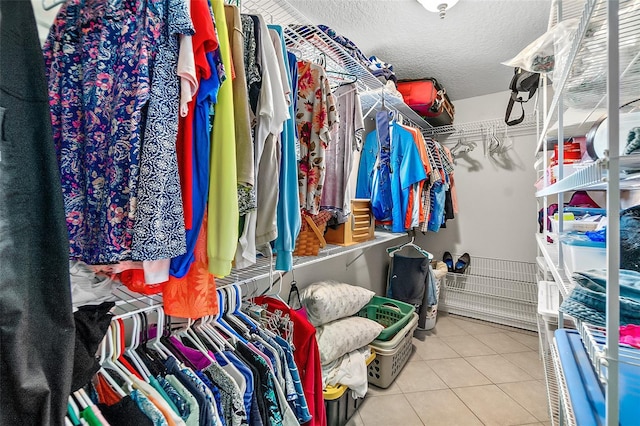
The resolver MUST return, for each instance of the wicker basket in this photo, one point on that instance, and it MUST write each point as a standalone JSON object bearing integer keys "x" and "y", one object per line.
{"x": 311, "y": 237}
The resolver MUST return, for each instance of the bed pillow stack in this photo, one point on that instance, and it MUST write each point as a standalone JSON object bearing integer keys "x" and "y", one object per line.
{"x": 331, "y": 307}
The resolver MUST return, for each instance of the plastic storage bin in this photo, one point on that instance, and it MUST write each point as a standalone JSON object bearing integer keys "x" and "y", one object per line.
{"x": 573, "y": 225}
{"x": 391, "y": 356}
{"x": 340, "y": 404}
{"x": 548, "y": 305}
{"x": 582, "y": 254}
{"x": 392, "y": 314}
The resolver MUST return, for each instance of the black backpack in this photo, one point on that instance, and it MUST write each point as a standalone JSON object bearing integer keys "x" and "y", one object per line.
{"x": 522, "y": 81}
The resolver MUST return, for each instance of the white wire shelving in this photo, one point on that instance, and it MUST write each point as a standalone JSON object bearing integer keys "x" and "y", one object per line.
{"x": 594, "y": 339}
{"x": 580, "y": 76}
{"x": 601, "y": 69}
{"x": 497, "y": 290}
{"x": 565, "y": 411}
{"x": 595, "y": 176}
{"x": 312, "y": 44}
{"x": 264, "y": 265}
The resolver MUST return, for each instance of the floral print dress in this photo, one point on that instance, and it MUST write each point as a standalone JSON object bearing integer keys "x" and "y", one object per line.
{"x": 315, "y": 117}
{"x": 97, "y": 65}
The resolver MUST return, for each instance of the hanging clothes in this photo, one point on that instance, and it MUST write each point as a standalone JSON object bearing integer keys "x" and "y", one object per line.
{"x": 288, "y": 208}
{"x": 271, "y": 113}
{"x": 204, "y": 41}
{"x": 244, "y": 142}
{"x": 405, "y": 169}
{"x": 36, "y": 325}
{"x": 158, "y": 231}
{"x": 316, "y": 116}
{"x": 336, "y": 196}
{"x": 222, "y": 227}
{"x": 307, "y": 358}
{"x": 99, "y": 152}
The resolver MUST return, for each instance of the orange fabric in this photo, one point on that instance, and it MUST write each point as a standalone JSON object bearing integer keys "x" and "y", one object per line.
{"x": 194, "y": 295}
{"x": 163, "y": 410}
{"x": 106, "y": 394}
{"x": 424, "y": 157}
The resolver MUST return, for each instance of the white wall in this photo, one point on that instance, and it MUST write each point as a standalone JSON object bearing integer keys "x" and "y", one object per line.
{"x": 497, "y": 207}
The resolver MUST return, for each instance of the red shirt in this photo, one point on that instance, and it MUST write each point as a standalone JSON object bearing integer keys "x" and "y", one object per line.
{"x": 306, "y": 357}
{"x": 204, "y": 40}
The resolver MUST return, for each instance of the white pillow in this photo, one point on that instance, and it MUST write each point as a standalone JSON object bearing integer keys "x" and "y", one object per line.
{"x": 326, "y": 301}
{"x": 345, "y": 335}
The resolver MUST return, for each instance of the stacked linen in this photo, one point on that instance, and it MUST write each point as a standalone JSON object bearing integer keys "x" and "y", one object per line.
{"x": 343, "y": 338}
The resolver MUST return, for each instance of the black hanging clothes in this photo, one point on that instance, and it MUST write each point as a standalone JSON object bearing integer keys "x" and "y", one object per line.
{"x": 36, "y": 321}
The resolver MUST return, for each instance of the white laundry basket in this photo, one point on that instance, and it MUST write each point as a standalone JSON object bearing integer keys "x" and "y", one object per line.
{"x": 392, "y": 355}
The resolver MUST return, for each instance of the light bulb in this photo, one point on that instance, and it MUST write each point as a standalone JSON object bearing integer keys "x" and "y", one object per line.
{"x": 438, "y": 6}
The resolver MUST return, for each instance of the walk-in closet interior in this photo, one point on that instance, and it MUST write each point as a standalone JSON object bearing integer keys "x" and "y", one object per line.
{"x": 319, "y": 213}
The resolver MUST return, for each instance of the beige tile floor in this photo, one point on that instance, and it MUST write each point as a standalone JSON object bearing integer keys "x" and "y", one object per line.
{"x": 464, "y": 372}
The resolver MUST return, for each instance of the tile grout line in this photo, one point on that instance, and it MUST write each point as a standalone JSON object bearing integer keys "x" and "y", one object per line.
{"x": 523, "y": 407}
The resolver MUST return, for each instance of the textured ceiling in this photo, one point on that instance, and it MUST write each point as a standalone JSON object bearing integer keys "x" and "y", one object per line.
{"x": 463, "y": 51}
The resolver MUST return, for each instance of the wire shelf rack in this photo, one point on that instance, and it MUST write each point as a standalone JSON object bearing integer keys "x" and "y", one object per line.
{"x": 594, "y": 340}
{"x": 312, "y": 44}
{"x": 264, "y": 265}
{"x": 476, "y": 129}
{"x": 551, "y": 255}
{"x": 511, "y": 270}
{"x": 581, "y": 77}
{"x": 496, "y": 290}
{"x": 566, "y": 409}
{"x": 551, "y": 381}
{"x": 493, "y": 288}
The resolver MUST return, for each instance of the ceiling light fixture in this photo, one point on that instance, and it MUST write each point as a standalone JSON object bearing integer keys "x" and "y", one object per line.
{"x": 438, "y": 6}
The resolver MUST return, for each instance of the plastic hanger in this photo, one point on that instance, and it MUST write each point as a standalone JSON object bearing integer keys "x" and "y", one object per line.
{"x": 155, "y": 342}
{"x": 206, "y": 326}
{"x": 52, "y": 5}
{"x": 392, "y": 250}
{"x": 105, "y": 374}
{"x": 73, "y": 407}
{"x": 109, "y": 359}
{"x": 131, "y": 349}
{"x": 237, "y": 293}
{"x": 230, "y": 313}
{"x": 220, "y": 318}
{"x": 275, "y": 295}
{"x": 188, "y": 333}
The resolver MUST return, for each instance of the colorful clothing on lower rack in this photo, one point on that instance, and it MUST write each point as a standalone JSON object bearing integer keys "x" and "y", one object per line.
{"x": 230, "y": 359}
{"x": 206, "y": 409}
{"x": 231, "y": 400}
{"x": 307, "y": 358}
{"x": 149, "y": 409}
{"x": 194, "y": 415}
{"x": 274, "y": 416}
{"x": 176, "y": 398}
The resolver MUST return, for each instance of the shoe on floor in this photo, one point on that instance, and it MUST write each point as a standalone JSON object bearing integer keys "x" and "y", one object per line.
{"x": 448, "y": 260}
{"x": 462, "y": 263}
